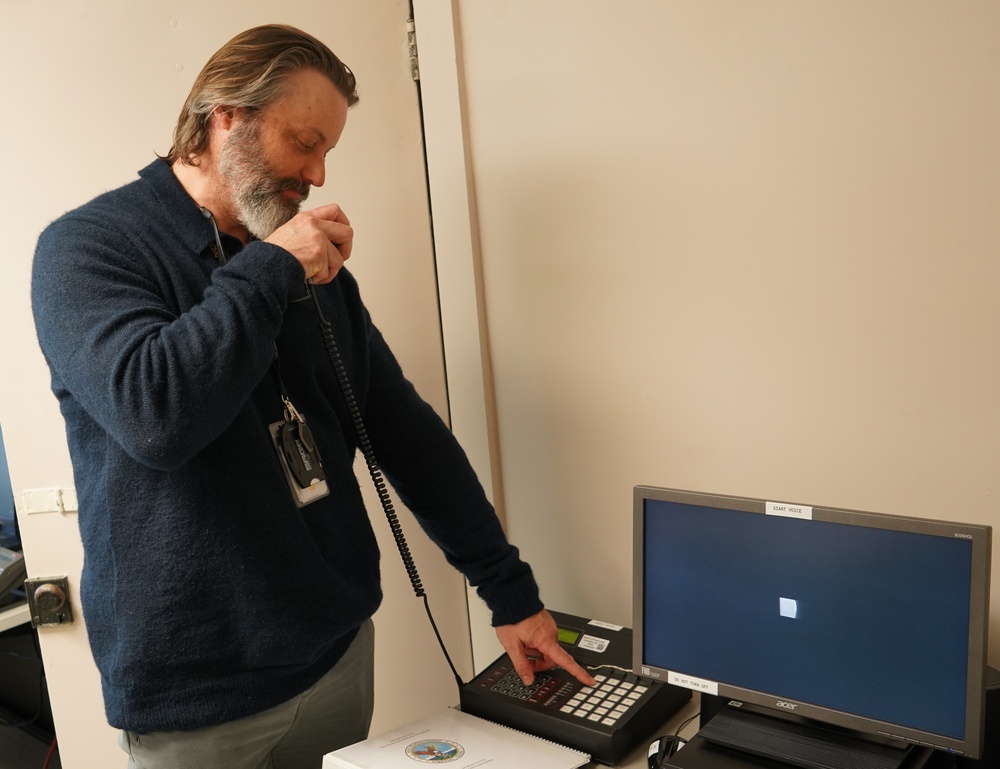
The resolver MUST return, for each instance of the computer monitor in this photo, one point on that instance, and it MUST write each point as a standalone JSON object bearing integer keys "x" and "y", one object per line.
{"x": 865, "y": 622}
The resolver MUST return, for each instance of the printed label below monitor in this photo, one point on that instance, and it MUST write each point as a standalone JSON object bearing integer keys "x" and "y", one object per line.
{"x": 690, "y": 682}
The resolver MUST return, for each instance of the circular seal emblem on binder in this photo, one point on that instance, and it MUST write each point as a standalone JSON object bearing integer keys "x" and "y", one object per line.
{"x": 435, "y": 751}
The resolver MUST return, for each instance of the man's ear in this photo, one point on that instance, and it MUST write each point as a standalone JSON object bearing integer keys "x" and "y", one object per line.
{"x": 223, "y": 117}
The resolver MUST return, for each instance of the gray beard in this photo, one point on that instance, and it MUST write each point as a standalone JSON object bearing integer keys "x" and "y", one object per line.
{"x": 255, "y": 192}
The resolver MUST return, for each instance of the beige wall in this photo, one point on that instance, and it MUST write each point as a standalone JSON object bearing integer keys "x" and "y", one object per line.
{"x": 747, "y": 248}
{"x": 91, "y": 90}
{"x": 736, "y": 247}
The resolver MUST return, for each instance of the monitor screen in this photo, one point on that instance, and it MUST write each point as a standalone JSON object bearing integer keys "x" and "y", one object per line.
{"x": 872, "y": 622}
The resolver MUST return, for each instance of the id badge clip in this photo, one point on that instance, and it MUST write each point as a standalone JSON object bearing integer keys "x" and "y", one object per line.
{"x": 299, "y": 457}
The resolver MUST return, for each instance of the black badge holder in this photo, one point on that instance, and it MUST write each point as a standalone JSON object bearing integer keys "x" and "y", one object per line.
{"x": 299, "y": 456}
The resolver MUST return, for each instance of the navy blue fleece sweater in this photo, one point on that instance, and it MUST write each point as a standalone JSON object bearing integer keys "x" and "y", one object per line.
{"x": 207, "y": 594}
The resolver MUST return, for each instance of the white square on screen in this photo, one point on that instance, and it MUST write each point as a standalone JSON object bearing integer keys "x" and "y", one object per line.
{"x": 788, "y": 607}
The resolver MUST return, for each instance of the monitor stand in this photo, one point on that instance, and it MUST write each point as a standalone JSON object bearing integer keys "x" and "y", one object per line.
{"x": 742, "y": 738}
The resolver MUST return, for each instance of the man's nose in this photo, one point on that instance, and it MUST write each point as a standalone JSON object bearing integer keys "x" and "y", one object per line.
{"x": 314, "y": 172}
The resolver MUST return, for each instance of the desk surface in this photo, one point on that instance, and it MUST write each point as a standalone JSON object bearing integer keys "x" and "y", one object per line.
{"x": 637, "y": 758}
{"x": 14, "y": 615}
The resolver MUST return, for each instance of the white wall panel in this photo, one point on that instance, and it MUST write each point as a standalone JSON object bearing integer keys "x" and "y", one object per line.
{"x": 746, "y": 248}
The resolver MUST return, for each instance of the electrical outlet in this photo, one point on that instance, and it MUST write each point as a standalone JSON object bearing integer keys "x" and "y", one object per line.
{"x": 48, "y": 601}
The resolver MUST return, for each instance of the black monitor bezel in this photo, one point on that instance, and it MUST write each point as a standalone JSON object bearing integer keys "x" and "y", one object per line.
{"x": 980, "y": 536}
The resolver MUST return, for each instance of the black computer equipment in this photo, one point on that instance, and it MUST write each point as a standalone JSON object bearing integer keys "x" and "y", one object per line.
{"x": 605, "y": 721}
{"x": 854, "y": 629}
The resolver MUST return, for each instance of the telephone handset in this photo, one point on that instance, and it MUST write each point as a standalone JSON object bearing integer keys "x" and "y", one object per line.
{"x": 606, "y": 721}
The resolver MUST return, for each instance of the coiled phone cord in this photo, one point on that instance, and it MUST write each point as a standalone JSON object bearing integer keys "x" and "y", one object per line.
{"x": 333, "y": 353}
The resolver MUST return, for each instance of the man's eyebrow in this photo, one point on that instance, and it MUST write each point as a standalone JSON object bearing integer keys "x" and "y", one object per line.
{"x": 316, "y": 132}
{"x": 321, "y": 139}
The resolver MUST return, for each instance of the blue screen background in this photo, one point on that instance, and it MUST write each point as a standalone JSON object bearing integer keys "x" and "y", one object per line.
{"x": 882, "y": 623}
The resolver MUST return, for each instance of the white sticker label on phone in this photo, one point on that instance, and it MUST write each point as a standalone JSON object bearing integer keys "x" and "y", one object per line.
{"x": 594, "y": 644}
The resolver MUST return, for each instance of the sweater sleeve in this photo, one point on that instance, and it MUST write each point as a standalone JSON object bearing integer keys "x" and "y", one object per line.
{"x": 162, "y": 373}
{"x": 433, "y": 477}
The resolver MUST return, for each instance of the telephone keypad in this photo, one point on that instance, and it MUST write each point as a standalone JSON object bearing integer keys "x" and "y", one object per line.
{"x": 606, "y": 703}
{"x": 606, "y": 720}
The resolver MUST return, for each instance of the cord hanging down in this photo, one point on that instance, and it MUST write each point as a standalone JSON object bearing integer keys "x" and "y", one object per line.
{"x": 333, "y": 353}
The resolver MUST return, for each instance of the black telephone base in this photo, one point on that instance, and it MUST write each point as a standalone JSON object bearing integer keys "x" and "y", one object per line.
{"x": 606, "y": 721}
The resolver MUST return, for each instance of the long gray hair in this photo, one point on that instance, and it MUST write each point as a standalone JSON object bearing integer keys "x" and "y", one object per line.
{"x": 251, "y": 71}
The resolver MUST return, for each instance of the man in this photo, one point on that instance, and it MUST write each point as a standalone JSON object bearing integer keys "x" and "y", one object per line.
{"x": 230, "y": 570}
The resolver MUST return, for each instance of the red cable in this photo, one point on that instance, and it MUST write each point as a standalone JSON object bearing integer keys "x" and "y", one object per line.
{"x": 52, "y": 752}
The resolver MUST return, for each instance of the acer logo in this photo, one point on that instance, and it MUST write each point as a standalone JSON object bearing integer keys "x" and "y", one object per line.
{"x": 786, "y": 705}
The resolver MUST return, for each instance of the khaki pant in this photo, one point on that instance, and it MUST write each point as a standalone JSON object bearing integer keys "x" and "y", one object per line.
{"x": 337, "y": 711}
